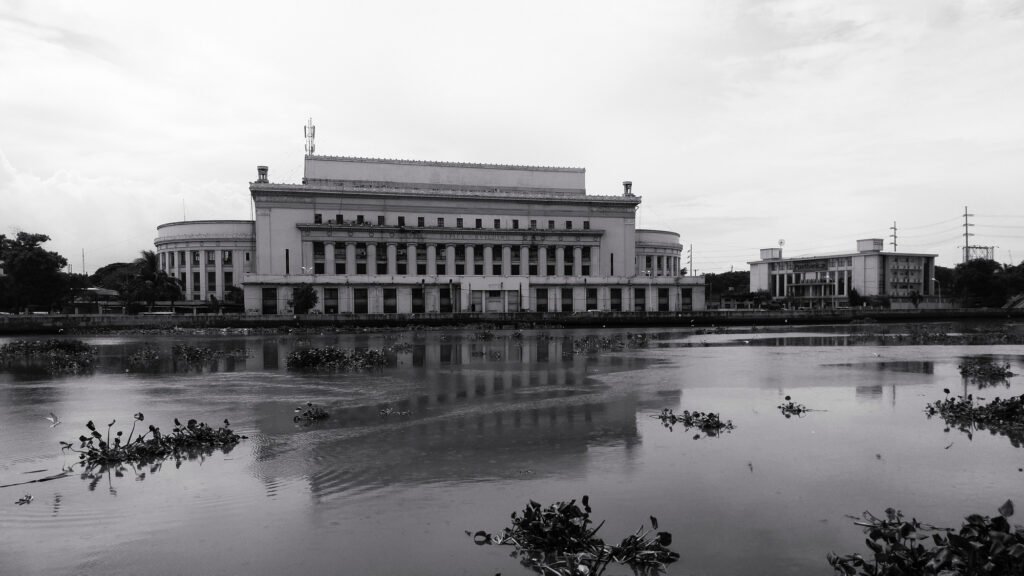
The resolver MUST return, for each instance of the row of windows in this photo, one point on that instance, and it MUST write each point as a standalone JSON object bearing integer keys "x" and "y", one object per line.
{"x": 196, "y": 258}
{"x": 421, "y": 222}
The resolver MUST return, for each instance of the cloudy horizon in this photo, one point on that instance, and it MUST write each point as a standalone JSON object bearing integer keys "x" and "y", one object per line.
{"x": 740, "y": 122}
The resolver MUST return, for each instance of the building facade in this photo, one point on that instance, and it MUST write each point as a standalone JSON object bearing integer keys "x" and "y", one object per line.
{"x": 376, "y": 236}
{"x": 826, "y": 281}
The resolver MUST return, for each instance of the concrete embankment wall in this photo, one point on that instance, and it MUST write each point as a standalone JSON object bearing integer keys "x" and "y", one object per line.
{"x": 72, "y": 323}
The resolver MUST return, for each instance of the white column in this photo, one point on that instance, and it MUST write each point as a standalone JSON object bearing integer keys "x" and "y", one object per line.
{"x": 559, "y": 260}
{"x": 307, "y": 256}
{"x": 413, "y": 260}
{"x": 350, "y": 263}
{"x": 219, "y": 274}
{"x": 329, "y": 258}
{"x": 189, "y": 288}
{"x": 488, "y": 259}
{"x": 595, "y": 260}
{"x": 432, "y": 259}
{"x": 577, "y": 261}
{"x": 203, "y": 291}
{"x": 371, "y": 262}
{"x": 449, "y": 262}
{"x": 469, "y": 263}
{"x": 506, "y": 264}
{"x": 542, "y": 261}
{"x": 524, "y": 262}
{"x": 392, "y": 258}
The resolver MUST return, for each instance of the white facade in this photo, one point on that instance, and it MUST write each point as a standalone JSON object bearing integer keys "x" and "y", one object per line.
{"x": 826, "y": 280}
{"x": 396, "y": 236}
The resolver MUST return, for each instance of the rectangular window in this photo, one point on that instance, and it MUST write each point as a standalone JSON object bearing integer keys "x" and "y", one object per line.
{"x": 568, "y": 224}
{"x": 287, "y": 262}
{"x": 229, "y": 279}
{"x": 330, "y": 300}
{"x": 567, "y": 300}
{"x": 401, "y": 220}
{"x": 533, "y": 224}
{"x": 360, "y": 300}
{"x": 440, "y": 222}
{"x": 227, "y": 256}
{"x": 418, "y": 301}
{"x": 458, "y": 222}
{"x": 318, "y": 249}
{"x": 496, "y": 268}
{"x": 479, "y": 223}
{"x": 639, "y": 299}
{"x": 551, "y": 224}
{"x": 171, "y": 254}
{"x": 541, "y": 301}
{"x": 612, "y": 271}
{"x": 196, "y": 287}
{"x": 360, "y": 219}
{"x": 591, "y": 298}
{"x": 318, "y": 218}
{"x": 662, "y": 299}
{"x": 269, "y": 301}
{"x": 515, "y": 224}
{"x": 339, "y": 268}
{"x": 195, "y": 257}
{"x": 497, "y": 223}
{"x": 181, "y": 257}
{"x": 586, "y": 224}
{"x": 421, "y": 222}
{"x": 615, "y": 302}
{"x": 339, "y": 218}
{"x": 211, "y": 256}
{"x": 390, "y": 300}
{"x": 380, "y": 220}
{"x": 478, "y": 269}
{"x": 318, "y": 268}
{"x": 211, "y": 281}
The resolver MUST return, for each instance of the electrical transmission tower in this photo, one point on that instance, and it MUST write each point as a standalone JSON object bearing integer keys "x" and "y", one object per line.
{"x": 893, "y": 235}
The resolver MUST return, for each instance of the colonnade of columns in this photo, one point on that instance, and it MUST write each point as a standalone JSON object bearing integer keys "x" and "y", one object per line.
{"x": 661, "y": 265}
{"x": 184, "y": 264}
{"x": 384, "y": 257}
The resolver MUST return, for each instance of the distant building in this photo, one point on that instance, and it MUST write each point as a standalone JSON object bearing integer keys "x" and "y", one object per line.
{"x": 825, "y": 281}
{"x": 396, "y": 236}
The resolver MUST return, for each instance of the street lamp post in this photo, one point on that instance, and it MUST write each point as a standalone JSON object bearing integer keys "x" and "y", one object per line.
{"x": 939, "y": 284}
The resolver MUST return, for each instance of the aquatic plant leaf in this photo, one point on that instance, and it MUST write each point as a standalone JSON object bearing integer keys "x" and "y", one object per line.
{"x": 1006, "y": 510}
{"x": 654, "y": 522}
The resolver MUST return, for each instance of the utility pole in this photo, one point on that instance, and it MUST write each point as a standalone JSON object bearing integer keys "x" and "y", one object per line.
{"x": 689, "y": 267}
{"x": 893, "y": 235}
{"x": 967, "y": 234}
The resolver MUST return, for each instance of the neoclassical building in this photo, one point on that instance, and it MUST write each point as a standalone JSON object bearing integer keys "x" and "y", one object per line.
{"x": 379, "y": 236}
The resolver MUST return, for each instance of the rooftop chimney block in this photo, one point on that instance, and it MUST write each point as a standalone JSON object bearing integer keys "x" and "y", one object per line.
{"x": 261, "y": 172}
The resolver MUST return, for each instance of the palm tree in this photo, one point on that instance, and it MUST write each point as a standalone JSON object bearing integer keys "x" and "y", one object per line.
{"x": 152, "y": 283}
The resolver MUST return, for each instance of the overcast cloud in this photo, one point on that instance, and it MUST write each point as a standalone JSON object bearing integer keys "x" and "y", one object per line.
{"x": 739, "y": 122}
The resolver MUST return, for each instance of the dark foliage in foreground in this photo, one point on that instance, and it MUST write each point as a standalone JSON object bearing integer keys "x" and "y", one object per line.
{"x": 58, "y": 356}
{"x": 710, "y": 423}
{"x": 559, "y": 539}
{"x": 1005, "y": 417}
{"x": 95, "y": 449}
{"x": 331, "y": 358}
{"x": 983, "y": 546}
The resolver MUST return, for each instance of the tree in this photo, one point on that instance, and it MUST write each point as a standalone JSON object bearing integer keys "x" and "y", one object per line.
{"x": 915, "y": 298}
{"x": 304, "y": 298}
{"x": 856, "y": 300}
{"x": 151, "y": 283}
{"x": 32, "y": 274}
{"x": 980, "y": 283}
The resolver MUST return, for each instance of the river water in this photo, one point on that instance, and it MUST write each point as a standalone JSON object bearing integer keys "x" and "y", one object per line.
{"x": 493, "y": 423}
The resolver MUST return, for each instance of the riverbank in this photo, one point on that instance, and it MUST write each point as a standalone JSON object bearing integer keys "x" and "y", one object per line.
{"x": 86, "y": 324}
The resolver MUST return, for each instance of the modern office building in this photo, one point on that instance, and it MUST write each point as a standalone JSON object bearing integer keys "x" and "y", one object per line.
{"x": 825, "y": 281}
{"x": 398, "y": 236}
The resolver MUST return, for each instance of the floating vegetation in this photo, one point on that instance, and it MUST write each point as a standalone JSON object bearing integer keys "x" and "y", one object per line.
{"x": 310, "y": 413}
{"x": 984, "y": 371}
{"x": 145, "y": 359}
{"x": 923, "y": 334}
{"x": 707, "y": 422}
{"x": 1004, "y": 417}
{"x": 185, "y": 440}
{"x": 559, "y": 539}
{"x": 58, "y": 356}
{"x": 385, "y": 412}
{"x": 26, "y": 499}
{"x": 790, "y": 408}
{"x": 595, "y": 344}
{"x": 983, "y": 545}
{"x": 485, "y": 335}
{"x": 400, "y": 347}
{"x": 197, "y": 356}
{"x": 332, "y": 358}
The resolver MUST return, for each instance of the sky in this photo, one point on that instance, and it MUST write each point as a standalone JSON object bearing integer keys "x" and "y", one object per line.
{"x": 741, "y": 123}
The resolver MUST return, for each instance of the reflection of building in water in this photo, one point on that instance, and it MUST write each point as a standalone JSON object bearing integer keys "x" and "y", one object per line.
{"x": 825, "y": 281}
{"x": 400, "y": 236}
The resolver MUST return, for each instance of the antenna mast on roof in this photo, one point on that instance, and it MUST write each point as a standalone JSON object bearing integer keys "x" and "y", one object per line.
{"x": 310, "y": 132}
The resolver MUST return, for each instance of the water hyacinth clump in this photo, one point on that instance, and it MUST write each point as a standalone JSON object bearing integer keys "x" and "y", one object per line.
{"x": 97, "y": 448}
{"x": 710, "y": 423}
{"x": 1005, "y": 417}
{"x": 145, "y": 359}
{"x": 310, "y": 413}
{"x": 790, "y": 408}
{"x": 595, "y": 344}
{"x": 560, "y": 539}
{"x": 197, "y": 356}
{"x": 332, "y": 358}
{"x": 56, "y": 356}
{"x": 984, "y": 370}
{"x": 984, "y": 545}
